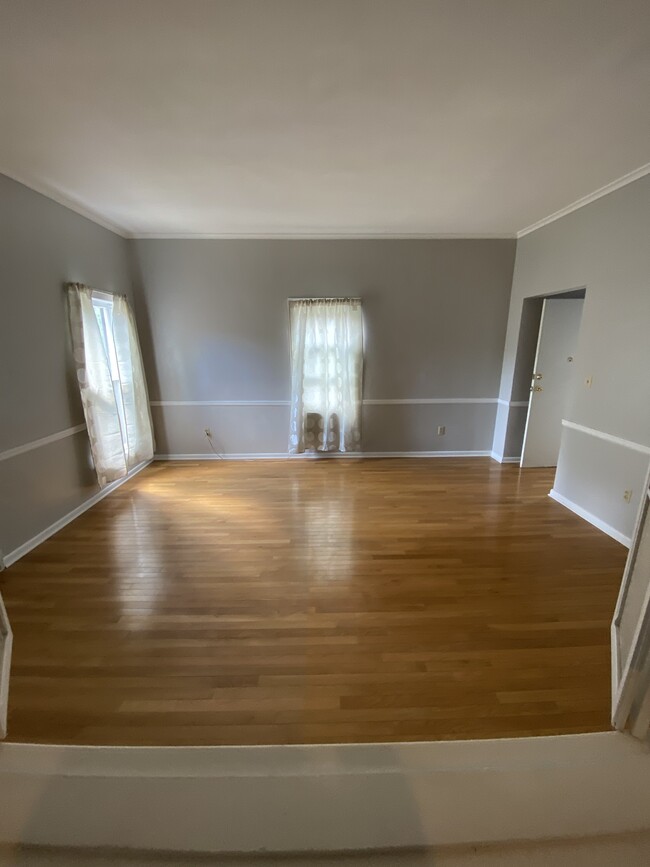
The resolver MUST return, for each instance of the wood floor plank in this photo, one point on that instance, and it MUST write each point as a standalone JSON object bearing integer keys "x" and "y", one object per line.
{"x": 315, "y": 602}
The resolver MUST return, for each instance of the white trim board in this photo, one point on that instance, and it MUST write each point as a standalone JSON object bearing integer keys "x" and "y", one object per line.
{"x": 32, "y": 543}
{"x": 6, "y": 641}
{"x": 219, "y": 403}
{"x": 325, "y": 234}
{"x": 428, "y": 400}
{"x": 609, "y": 438}
{"x": 43, "y": 441}
{"x": 503, "y": 460}
{"x": 365, "y": 402}
{"x": 503, "y": 402}
{"x": 274, "y": 798}
{"x": 623, "y": 181}
{"x": 285, "y": 456}
{"x": 592, "y": 519}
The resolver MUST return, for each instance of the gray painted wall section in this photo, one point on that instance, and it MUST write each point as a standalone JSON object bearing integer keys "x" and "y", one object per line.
{"x": 42, "y": 246}
{"x": 603, "y": 247}
{"x": 262, "y": 430}
{"x": 214, "y": 327}
{"x": 213, "y": 323}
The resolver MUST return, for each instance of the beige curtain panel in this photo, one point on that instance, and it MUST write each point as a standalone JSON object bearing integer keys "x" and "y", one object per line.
{"x": 111, "y": 382}
{"x": 326, "y": 375}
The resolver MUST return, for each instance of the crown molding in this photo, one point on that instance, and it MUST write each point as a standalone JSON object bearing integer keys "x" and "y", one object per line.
{"x": 587, "y": 200}
{"x": 340, "y": 235}
{"x": 71, "y": 204}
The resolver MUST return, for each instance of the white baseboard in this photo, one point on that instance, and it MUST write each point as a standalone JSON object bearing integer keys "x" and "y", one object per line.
{"x": 592, "y": 519}
{"x": 503, "y": 460}
{"x": 30, "y": 544}
{"x": 255, "y": 456}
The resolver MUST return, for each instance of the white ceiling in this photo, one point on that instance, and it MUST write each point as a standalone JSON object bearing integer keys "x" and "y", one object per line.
{"x": 323, "y": 116}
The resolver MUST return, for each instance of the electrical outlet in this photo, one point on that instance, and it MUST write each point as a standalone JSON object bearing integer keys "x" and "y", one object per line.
{"x": 208, "y": 433}
{"x": 589, "y": 381}
{"x": 627, "y": 496}
{"x": 442, "y": 430}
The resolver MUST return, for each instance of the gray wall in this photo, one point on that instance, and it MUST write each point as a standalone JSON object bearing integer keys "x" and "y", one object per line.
{"x": 604, "y": 247}
{"x": 214, "y": 327}
{"x": 42, "y": 246}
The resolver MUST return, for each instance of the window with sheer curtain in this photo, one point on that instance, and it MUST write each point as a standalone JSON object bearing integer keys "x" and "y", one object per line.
{"x": 111, "y": 381}
{"x": 326, "y": 374}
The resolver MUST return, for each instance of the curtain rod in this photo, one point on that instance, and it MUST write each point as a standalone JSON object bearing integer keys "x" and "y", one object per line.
{"x": 340, "y": 298}
{"x": 99, "y": 292}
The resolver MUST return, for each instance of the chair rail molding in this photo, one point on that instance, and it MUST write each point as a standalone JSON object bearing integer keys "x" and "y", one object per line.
{"x": 43, "y": 441}
{"x": 398, "y": 401}
{"x": 610, "y": 438}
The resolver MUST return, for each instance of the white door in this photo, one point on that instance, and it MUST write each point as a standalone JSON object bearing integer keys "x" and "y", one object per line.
{"x": 557, "y": 345}
{"x": 631, "y": 632}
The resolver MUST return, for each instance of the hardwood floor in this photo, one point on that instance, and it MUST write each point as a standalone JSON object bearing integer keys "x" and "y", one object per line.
{"x": 315, "y": 601}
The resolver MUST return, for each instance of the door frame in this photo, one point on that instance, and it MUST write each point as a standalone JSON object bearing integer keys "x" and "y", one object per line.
{"x": 573, "y": 295}
{"x": 629, "y": 675}
{"x": 509, "y": 437}
{"x": 6, "y": 642}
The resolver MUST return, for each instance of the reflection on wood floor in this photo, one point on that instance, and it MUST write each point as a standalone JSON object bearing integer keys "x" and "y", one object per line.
{"x": 315, "y": 601}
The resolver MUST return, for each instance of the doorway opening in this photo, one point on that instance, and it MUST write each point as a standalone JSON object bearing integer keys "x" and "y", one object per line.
{"x": 545, "y": 368}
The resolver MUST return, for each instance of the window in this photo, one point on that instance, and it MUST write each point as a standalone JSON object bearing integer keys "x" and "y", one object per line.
{"x": 326, "y": 374}
{"x": 103, "y": 308}
{"x": 111, "y": 381}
